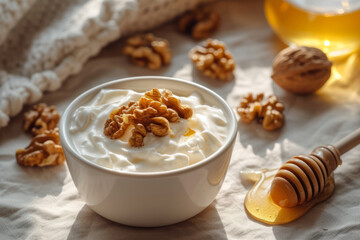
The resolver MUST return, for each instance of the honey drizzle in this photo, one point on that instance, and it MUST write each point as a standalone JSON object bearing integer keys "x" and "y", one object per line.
{"x": 260, "y": 206}
{"x": 189, "y": 132}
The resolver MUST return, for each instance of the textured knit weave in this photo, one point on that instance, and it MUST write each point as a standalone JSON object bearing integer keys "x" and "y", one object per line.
{"x": 42, "y": 42}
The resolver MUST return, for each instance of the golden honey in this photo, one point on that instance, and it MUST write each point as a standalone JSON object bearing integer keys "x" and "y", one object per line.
{"x": 259, "y": 205}
{"x": 331, "y": 25}
{"x": 189, "y": 132}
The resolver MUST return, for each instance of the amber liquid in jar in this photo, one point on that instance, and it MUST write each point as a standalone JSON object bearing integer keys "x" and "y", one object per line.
{"x": 331, "y": 25}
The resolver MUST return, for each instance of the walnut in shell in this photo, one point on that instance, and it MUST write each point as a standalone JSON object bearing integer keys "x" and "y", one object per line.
{"x": 301, "y": 70}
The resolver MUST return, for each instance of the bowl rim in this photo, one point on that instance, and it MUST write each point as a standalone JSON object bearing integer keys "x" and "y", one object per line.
{"x": 228, "y": 142}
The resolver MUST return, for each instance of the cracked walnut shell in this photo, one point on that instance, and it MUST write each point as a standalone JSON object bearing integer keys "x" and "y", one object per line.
{"x": 41, "y": 118}
{"x": 213, "y": 60}
{"x": 148, "y": 50}
{"x": 268, "y": 113}
{"x": 44, "y": 150}
{"x": 301, "y": 70}
{"x": 199, "y": 23}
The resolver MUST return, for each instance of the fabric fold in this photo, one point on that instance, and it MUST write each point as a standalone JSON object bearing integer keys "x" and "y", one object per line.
{"x": 47, "y": 41}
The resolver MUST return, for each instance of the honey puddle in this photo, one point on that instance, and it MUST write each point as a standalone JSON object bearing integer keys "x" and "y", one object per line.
{"x": 189, "y": 132}
{"x": 260, "y": 206}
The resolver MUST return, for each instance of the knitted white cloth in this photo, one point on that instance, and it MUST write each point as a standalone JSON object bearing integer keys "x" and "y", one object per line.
{"x": 42, "y": 42}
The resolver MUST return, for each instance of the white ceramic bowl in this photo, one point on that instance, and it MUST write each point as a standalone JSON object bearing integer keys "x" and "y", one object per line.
{"x": 149, "y": 199}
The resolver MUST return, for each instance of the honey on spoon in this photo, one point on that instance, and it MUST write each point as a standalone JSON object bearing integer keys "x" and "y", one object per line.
{"x": 281, "y": 196}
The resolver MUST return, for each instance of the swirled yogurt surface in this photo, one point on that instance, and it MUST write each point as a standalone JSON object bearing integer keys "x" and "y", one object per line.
{"x": 173, "y": 151}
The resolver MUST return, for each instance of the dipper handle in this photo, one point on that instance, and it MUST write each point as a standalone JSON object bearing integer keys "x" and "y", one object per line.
{"x": 348, "y": 142}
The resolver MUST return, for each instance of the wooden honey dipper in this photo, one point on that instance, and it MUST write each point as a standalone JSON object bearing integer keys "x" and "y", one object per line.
{"x": 302, "y": 178}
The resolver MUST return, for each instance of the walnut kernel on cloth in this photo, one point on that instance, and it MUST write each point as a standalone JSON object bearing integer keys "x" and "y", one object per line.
{"x": 269, "y": 113}
{"x": 41, "y": 118}
{"x": 250, "y": 107}
{"x": 199, "y": 23}
{"x": 213, "y": 60}
{"x": 152, "y": 113}
{"x": 301, "y": 70}
{"x": 44, "y": 150}
{"x": 148, "y": 51}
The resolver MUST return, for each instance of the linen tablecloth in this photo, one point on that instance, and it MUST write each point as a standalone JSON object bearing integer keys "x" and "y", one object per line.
{"x": 43, "y": 203}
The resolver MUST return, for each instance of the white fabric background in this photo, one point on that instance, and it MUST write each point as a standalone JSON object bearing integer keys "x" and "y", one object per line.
{"x": 43, "y": 203}
{"x": 42, "y": 42}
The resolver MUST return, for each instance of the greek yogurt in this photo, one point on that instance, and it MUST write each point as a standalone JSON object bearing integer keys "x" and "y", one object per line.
{"x": 208, "y": 128}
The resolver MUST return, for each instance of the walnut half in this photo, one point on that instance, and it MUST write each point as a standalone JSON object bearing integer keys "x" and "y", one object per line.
{"x": 301, "y": 70}
{"x": 213, "y": 60}
{"x": 273, "y": 119}
{"x": 250, "y": 107}
{"x": 199, "y": 23}
{"x": 137, "y": 137}
{"x": 41, "y": 118}
{"x": 44, "y": 150}
{"x": 268, "y": 113}
{"x": 148, "y": 50}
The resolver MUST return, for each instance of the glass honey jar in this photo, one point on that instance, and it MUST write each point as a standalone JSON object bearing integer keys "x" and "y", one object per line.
{"x": 331, "y": 25}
